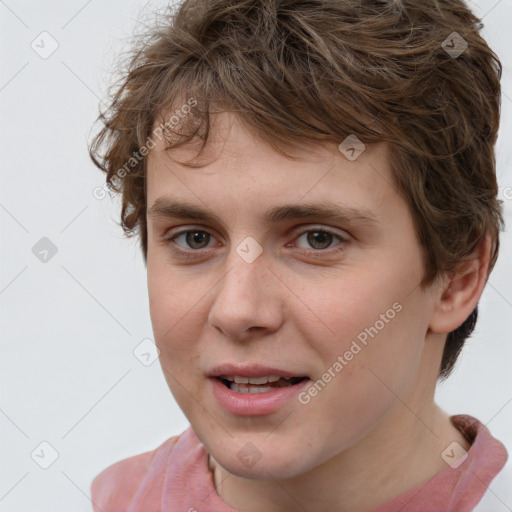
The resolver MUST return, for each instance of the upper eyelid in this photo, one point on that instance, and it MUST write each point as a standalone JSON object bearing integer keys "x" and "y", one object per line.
{"x": 304, "y": 228}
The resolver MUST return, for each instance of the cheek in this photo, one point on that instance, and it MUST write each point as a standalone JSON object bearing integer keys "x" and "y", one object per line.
{"x": 177, "y": 316}
{"x": 174, "y": 300}
{"x": 377, "y": 363}
{"x": 367, "y": 328}
{"x": 341, "y": 311}
{"x": 177, "y": 327}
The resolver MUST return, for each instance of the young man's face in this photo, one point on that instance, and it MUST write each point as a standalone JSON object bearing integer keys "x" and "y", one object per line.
{"x": 271, "y": 285}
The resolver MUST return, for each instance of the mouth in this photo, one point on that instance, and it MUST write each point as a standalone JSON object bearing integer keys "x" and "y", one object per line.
{"x": 244, "y": 390}
{"x": 263, "y": 384}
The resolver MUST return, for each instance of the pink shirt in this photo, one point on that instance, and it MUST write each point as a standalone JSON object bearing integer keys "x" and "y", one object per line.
{"x": 175, "y": 478}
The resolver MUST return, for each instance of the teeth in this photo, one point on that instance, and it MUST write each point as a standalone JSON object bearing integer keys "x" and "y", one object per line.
{"x": 254, "y": 380}
{"x": 249, "y": 385}
{"x": 258, "y": 380}
{"x": 245, "y": 390}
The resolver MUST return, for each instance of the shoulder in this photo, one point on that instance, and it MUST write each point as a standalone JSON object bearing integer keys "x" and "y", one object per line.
{"x": 117, "y": 486}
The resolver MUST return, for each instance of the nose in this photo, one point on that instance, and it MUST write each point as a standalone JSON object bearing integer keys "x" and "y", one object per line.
{"x": 247, "y": 302}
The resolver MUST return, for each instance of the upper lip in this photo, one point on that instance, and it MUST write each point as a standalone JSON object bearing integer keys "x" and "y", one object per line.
{"x": 251, "y": 370}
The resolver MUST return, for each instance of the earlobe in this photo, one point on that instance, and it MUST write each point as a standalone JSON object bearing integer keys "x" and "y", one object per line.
{"x": 461, "y": 290}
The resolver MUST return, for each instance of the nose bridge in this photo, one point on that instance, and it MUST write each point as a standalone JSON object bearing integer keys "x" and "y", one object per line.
{"x": 247, "y": 266}
{"x": 242, "y": 285}
{"x": 247, "y": 296}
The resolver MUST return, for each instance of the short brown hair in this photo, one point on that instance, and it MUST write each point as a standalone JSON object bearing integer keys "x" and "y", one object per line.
{"x": 315, "y": 71}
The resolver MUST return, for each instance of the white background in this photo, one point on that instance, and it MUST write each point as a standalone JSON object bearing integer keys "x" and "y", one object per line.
{"x": 69, "y": 326}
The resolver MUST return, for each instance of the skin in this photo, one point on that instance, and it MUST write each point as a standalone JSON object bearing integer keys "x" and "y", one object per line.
{"x": 374, "y": 431}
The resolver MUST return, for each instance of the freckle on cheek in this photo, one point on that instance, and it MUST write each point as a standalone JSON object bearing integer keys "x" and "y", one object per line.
{"x": 350, "y": 371}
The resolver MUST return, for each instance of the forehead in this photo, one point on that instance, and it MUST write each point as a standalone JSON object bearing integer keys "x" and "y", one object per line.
{"x": 236, "y": 169}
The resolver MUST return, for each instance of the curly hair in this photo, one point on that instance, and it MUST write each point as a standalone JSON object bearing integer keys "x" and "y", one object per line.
{"x": 317, "y": 71}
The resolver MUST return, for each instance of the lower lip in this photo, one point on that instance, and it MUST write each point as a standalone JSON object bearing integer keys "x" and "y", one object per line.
{"x": 254, "y": 404}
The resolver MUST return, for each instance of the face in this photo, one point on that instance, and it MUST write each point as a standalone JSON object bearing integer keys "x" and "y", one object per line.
{"x": 283, "y": 295}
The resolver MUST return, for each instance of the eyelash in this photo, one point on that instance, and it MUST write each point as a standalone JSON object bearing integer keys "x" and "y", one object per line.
{"x": 194, "y": 253}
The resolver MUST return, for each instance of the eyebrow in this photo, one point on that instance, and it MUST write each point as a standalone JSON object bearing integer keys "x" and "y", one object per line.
{"x": 326, "y": 210}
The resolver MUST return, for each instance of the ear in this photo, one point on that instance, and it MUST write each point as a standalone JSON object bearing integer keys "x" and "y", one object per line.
{"x": 461, "y": 290}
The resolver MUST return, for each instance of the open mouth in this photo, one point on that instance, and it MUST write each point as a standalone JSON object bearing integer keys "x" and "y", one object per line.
{"x": 249, "y": 385}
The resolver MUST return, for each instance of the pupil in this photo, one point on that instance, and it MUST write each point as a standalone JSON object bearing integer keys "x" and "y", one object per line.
{"x": 319, "y": 239}
{"x": 196, "y": 239}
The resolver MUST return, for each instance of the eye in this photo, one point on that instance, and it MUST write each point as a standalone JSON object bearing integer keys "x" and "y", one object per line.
{"x": 193, "y": 239}
{"x": 318, "y": 239}
{"x": 193, "y": 243}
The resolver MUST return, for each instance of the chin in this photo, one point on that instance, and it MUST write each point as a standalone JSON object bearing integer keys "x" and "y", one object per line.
{"x": 263, "y": 469}
{"x": 258, "y": 459}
